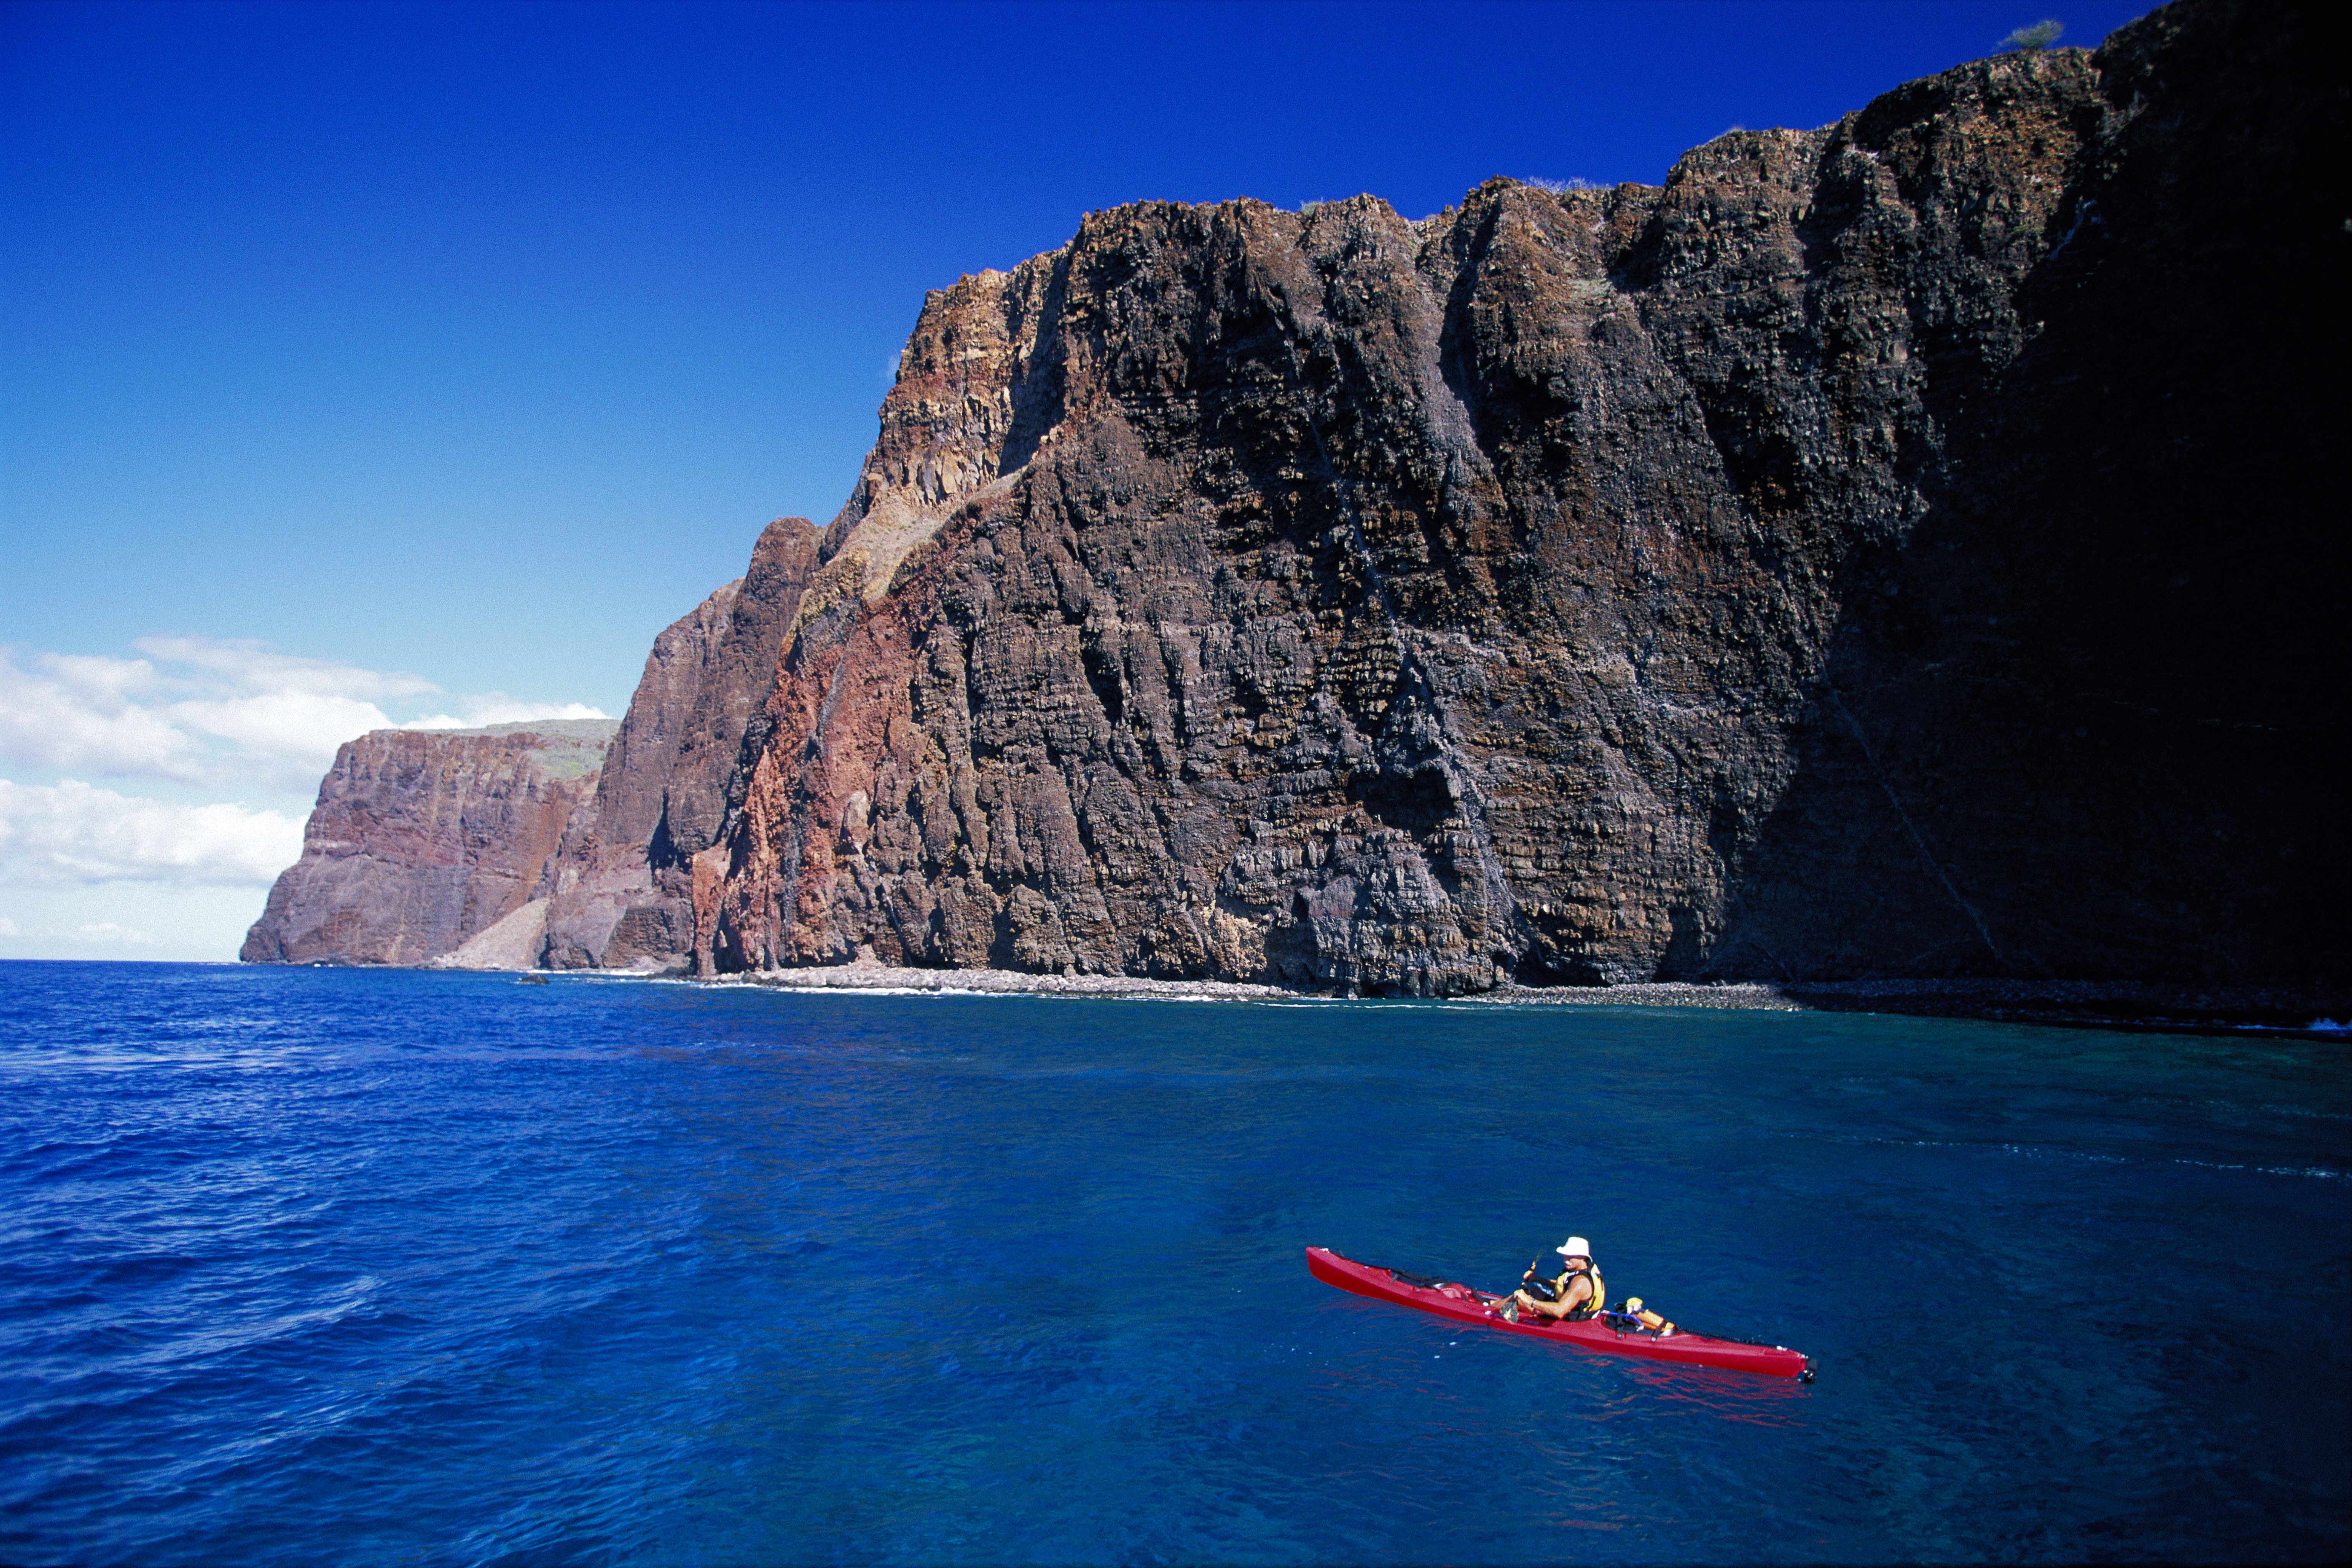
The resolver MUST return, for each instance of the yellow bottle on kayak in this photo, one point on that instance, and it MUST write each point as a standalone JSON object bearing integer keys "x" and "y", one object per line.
{"x": 1633, "y": 1305}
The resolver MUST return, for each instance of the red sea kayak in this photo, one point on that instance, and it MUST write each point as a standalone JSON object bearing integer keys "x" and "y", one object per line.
{"x": 1611, "y": 1333}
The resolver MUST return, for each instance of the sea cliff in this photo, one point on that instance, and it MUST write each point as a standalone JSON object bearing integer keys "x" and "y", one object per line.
{"x": 624, "y": 883}
{"x": 432, "y": 844}
{"x": 1887, "y": 550}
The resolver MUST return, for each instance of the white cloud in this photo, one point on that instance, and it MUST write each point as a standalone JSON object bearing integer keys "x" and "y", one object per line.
{"x": 497, "y": 708}
{"x": 296, "y": 731}
{"x": 196, "y": 711}
{"x": 106, "y": 934}
{"x": 72, "y": 831}
{"x": 9, "y": 927}
{"x": 86, "y": 713}
{"x": 257, "y": 666}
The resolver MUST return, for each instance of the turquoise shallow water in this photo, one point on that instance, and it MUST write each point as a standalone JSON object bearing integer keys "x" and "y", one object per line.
{"x": 302, "y": 1266}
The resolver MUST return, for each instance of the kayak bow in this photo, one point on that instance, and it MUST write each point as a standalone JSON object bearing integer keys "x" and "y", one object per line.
{"x": 1462, "y": 1304}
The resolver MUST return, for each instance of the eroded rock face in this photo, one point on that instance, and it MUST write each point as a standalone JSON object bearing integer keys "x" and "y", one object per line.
{"x": 528, "y": 844}
{"x": 607, "y": 908}
{"x": 1884, "y": 549}
{"x": 622, "y": 887}
{"x": 422, "y": 840}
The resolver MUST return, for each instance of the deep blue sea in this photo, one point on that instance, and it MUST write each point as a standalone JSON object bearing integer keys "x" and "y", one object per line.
{"x": 316, "y": 1266}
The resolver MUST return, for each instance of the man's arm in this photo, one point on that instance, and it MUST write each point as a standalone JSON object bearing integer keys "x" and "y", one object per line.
{"x": 1579, "y": 1293}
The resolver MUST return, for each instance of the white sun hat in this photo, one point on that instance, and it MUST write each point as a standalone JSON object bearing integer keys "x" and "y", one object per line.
{"x": 1575, "y": 1246}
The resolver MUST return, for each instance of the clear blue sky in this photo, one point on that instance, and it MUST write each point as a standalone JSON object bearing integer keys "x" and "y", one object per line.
{"x": 477, "y": 343}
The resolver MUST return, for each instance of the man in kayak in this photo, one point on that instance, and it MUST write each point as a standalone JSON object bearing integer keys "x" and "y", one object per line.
{"x": 1575, "y": 1295}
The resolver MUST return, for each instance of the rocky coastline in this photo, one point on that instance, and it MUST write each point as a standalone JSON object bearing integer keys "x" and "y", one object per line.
{"x": 1808, "y": 581}
{"x": 2310, "y": 1013}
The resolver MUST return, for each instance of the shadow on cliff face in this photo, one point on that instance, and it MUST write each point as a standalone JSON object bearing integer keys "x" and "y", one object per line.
{"x": 1883, "y": 550}
{"x": 2085, "y": 720}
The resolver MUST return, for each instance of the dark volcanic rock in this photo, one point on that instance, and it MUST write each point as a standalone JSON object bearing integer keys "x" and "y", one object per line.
{"x": 2081, "y": 720}
{"x": 424, "y": 839}
{"x": 1888, "y": 549}
{"x": 622, "y": 885}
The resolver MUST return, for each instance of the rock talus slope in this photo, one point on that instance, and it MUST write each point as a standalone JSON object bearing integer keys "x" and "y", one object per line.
{"x": 423, "y": 841}
{"x": 1887, "y": 549}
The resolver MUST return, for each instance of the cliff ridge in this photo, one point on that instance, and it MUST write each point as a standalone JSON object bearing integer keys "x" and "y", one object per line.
{"x": 1892, "y": 549}
{"x": 1806, "y": 568}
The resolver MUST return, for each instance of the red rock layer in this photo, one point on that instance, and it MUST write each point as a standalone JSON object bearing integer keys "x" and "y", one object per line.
{"x": 623, "y": 894}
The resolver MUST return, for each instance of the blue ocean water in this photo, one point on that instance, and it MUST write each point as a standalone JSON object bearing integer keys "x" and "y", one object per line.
{"x": 302, "y": 1266}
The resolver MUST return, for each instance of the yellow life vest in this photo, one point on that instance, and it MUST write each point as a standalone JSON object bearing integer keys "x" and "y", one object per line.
{"x": 1600, "y": 1290}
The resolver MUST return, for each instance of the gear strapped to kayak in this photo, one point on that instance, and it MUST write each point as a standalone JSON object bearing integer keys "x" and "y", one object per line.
{"x": 1632, "y": 1331}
